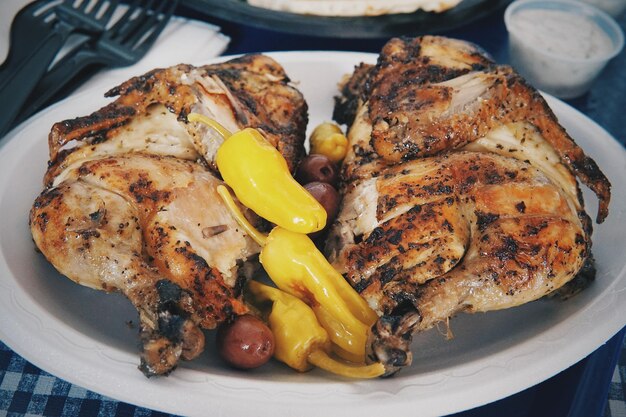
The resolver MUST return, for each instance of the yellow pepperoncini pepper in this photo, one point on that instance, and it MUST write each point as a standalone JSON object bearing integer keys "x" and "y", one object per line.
{"x": 259, "y": 175}
{"x": 260, "y": 178}
{"x": 328, "y": 139}
{"x": 297, "y": 267}
{"x": 300, "y": 341}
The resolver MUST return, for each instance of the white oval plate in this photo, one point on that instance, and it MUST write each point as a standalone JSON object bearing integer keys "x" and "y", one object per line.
{"x": 88, "y": 338}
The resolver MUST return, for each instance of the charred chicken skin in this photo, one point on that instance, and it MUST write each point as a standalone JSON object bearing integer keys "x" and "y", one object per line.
{"x": 130, "y": 201}
{"x": 460, "y": 192}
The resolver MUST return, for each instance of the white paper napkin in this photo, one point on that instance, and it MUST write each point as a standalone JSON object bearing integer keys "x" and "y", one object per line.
{"x": 182, "y": 41}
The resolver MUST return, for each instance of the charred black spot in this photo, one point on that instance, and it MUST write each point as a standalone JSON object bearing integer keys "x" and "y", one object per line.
{"x": 389, "y": 202}
{"x": 404, "y": 305}
{"x": 533, "y": 230}
{"x": 409, "y": 150}
{"x": 375, "y": 235}
{"x": 361, "y": 285}
{"x": 170, "y": 325}
{"x": 97, "y": 215}
{"x": 468, "y": 183}
{"x": 83, "y": 171}
{"x": 438, "y": 189}
{"x": 88, "y": 233}
{"x": 387, "y": 275}
{"x": 394, "y": 236}
{"x": 391, "y": 322}
{"x": 580, "y": 239}
{"x": 168, "y": 291}
{"x": 588, "y": 167}
{"x": 485, "y": 219}
{"x": 493, "y": 177}
{"x": 415, "y": 210}
{"x": 521, "y": 207}
{"x": 508, "y": 250}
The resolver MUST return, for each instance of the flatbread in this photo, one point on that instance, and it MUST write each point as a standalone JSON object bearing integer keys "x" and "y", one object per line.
{"x": 354, "y": 7}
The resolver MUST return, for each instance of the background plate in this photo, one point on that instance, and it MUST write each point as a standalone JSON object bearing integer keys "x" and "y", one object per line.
{"x": 417, "y": 23}
{"x": 88, "y": 337}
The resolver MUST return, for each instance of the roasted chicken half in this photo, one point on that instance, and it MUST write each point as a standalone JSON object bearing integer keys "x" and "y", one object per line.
{"x": 130, "y": 200}
{"x": 459, "y": 191}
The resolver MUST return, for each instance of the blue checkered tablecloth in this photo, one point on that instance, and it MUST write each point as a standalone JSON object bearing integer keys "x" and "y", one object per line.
{"x": 26, "y": 390}
{"x": 616, "y": 401}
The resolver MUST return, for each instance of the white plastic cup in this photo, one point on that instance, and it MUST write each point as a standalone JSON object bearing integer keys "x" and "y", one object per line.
{"x": 557, "y": 73}
{"x": 612, "y": 7}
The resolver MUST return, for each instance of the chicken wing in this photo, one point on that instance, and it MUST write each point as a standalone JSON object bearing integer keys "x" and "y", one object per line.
{"x": 150, "y": 114}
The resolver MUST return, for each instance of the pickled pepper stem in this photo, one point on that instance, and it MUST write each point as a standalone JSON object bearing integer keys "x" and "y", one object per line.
{"x": 197, "y": 117}
{"x": 300, "y": 340}
{"x": 321, "y": 359}
{"x": 258, "y": 237}
{"x": 296, "y": 266}
{"x": 296, "y": 330}
{"x": 259, "y": 176}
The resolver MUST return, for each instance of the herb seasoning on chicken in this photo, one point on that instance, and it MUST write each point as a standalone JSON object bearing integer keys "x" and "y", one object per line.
{"x": 460, "y": 191}
{"x": 131, "y": 205}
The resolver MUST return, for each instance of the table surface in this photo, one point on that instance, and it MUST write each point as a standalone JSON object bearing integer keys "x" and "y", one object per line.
{"x": 596, "y": 386}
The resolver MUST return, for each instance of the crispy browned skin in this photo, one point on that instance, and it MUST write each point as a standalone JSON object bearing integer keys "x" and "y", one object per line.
{"x": 254, "y": 88}
{"x": 353, "y": 90}
{"x": 131, "y": 205}
{"x": 419, "y": 108}
{"x": 138, "y": 222}
{"x": 450, "y": 203}
{"x": 374, "y": 92}
{"x": 466, "y": 231}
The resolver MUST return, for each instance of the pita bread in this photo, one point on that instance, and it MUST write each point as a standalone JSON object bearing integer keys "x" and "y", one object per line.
{"x": 355, "y": 7}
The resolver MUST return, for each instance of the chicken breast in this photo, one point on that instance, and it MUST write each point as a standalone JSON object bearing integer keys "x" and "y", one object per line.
{"x": 450, "y": 95}
{"x": 459, "y": 192}
{"x": 130, "y": 201}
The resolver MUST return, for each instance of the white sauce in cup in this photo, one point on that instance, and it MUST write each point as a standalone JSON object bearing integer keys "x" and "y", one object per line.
{"x": 560, "y": 46}
{"x": 561, "y": 33}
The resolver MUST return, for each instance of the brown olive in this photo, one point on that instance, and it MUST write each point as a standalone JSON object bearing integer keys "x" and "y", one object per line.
{"x": 327, "y": 196}
{"x": 245, "y": 343}
{"x": 317, "y": 167}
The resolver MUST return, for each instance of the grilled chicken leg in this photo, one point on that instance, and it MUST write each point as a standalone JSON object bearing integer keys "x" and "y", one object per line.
{"x": 153, "y": 228}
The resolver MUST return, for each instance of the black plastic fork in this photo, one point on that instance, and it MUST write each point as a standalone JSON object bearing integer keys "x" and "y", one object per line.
{"x": 28, "y": 30}
{"x": 38, "y": 32}
{"x": 124, "y": 44}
